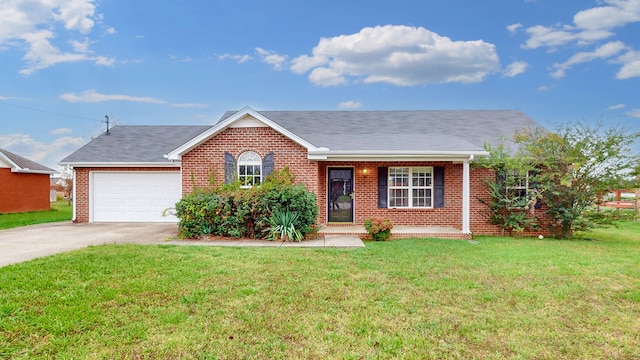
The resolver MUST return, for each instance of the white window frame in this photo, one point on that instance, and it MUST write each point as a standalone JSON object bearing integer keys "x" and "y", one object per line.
{"x": 249, "y": 160}
{"x": 395, "y": 182}
{"x": 520, "y": 186}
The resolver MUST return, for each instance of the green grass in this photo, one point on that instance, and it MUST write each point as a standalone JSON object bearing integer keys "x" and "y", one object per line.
{"x": 416, "y": 299}
{"x": 60, "y": 211}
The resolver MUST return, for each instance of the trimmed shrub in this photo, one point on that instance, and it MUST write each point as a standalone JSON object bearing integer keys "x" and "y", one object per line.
{"x": 235, "y": 212}
{"x": 378, "y": 228}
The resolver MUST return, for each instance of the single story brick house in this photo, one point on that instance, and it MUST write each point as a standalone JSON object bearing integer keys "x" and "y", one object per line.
{"x": 412, "y": 167}
{"x": 24, "y": 184}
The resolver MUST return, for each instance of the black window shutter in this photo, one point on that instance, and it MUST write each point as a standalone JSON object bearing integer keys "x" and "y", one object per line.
{"x": 382, "y": 187}
{"x": 438, "y": 187}
{"x": 229, "y": 168}
{"x": 267, "y": 165}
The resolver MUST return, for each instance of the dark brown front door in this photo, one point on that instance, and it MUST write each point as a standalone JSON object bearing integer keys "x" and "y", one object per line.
{"x": 340, "y": 195}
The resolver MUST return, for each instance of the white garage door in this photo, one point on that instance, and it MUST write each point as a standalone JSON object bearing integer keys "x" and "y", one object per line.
{"x": 134, "y": 196}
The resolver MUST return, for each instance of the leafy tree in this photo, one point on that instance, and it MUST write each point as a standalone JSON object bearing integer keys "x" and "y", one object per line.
{"x": 573, "y": 165}
{"x": 509, "y": 206}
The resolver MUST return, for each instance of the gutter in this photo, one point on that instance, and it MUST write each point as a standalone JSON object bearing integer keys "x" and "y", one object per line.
{"x": 395, "y": 155}
{"x": 29, "y": 171}
{"x": 114, "y": 165}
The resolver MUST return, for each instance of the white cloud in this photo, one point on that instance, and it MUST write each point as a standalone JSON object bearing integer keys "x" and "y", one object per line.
{"x": 513, "y": 28}
{"x": 634, "y": 113}
{"x": 399, "y": 55}
{"x": 48, "y": 154}
{"x": 81, "y": 47}
{"x": 272, "y": 58}
{"x": 516, "y": 68}
{"x": 33, "y": 25}
{"x": 616, "y": 107}
{"x": 239, "y": 58}
{"x": 350, "y": 105}
{"x": 605, "y": 51}
{"x": 630, "y": 67}
{"x": 617, "y": 13}
{"x": 61, "y": 131}
{"x": 589, "y": 26}
{"x": 92, "y": 96}
{"x": 543, "y": 88}
{"x": 110, "y": 30}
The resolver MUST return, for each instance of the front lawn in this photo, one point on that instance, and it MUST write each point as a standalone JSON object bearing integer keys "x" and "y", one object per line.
{"x": 421, "y": 298}
{"x": 60, "y": 211}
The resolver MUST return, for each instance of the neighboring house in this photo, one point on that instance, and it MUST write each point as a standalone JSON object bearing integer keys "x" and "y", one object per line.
{"x": 24, "y": 184}
{"x": 412, "y": 167}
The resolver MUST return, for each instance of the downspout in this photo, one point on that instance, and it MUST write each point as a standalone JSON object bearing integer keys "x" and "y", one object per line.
{"x": 466, "y": 194}
{"x": 73, "y": 217}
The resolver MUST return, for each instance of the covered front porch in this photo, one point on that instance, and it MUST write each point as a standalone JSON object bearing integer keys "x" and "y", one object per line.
{"x": 398, "y": 232}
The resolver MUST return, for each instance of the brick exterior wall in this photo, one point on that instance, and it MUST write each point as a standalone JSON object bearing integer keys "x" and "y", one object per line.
{"x": 82, "y": 186}
{"x": 22, "y": 192}
{"x": 366, "y": 197}
{"x": 206, "y": 162}
{"x": 479, "y": 224}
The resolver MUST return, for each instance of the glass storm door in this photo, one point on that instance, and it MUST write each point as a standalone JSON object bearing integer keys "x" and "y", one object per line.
{"x": 340, "y": 194}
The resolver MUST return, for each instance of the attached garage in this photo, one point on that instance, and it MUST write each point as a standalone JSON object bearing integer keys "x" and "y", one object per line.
{"x": 133, "y": 196}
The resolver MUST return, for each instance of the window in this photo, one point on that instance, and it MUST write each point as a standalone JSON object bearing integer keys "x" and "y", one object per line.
{"x": 249, "y": 169}
{"x": 520, "y": 188}
{"x": 410, "y": 187}
{"x": 517, "y": 184}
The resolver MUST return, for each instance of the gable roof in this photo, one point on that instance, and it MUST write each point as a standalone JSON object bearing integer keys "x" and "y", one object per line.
{"x": 133, "y": 145}
{"x": 21, "y": 164}
{"x": 427, "y": 134}
{"x": 414, "y": 131}
{"x": 341, "y": 135}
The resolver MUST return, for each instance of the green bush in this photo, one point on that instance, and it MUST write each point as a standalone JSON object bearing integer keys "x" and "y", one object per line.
{"x": 283, "y": 226}
{"x": 378, "y": 228}
{"x": 232, "y": 211}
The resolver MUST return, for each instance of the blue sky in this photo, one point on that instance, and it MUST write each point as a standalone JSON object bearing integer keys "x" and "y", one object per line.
{"x": 64, "y": 65}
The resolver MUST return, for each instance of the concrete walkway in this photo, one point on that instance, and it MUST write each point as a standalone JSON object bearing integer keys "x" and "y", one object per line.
{"x": 337, "y": 241}
{"x": 30, "y": 242}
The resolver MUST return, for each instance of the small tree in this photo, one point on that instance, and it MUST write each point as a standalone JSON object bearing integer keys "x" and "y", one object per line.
{"x": 509, "y": 203}
{"x": 66, "y": 175}
{"x": 575, "y": 163}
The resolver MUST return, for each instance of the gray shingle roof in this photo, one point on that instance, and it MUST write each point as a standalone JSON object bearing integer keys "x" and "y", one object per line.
{"x": 24, "y": 163}
{"x": 347, "y": 131}
{"x": 419, "y": 130}
{"x": 134, "y": 144}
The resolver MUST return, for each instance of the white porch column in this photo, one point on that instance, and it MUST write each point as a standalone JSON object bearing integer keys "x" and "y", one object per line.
{"x": 466, "y": 204}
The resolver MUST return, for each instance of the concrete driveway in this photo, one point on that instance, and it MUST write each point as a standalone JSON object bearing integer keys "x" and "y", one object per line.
{"x": 30, "y": 242}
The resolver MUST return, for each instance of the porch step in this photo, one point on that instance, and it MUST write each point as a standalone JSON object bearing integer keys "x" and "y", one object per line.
{"x": 398, "y": 232}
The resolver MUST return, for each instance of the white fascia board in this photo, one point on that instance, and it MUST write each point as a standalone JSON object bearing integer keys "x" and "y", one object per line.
{"x": 121, "y": 164}
{"x": 191, "y": 144}
{"x": 396, "y": 155}
{"x": 9, "y": 162}
{"x": 29, "y": 171}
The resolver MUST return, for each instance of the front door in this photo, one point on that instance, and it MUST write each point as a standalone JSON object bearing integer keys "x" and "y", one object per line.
{"x": 340, "y": 195}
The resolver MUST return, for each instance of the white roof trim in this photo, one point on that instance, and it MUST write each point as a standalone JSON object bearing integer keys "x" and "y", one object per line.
{"x": 6, "y": 159}
{"x": 217, "y": 128}
{"x": 29, "y": 171}
{"x": 395, "y": 155}
{"x": 15, "y": 168}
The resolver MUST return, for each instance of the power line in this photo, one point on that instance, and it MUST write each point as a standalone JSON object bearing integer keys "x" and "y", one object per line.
{"x": 46, "y": 111}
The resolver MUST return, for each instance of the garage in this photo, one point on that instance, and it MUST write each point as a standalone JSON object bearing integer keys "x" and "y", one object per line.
{"x": 133, "y": 196}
